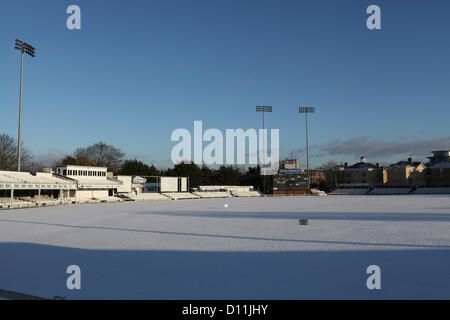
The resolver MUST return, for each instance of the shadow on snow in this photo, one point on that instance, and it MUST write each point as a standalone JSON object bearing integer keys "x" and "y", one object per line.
{"x": 151, "y": 274}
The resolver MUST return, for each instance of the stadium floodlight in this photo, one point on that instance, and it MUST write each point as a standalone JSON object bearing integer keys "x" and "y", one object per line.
{"x": 307, "y": 110}
{"x": 23, "y": 47}
{"x": 264, "y": 109}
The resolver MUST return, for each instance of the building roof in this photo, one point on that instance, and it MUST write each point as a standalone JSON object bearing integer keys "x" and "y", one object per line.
{"x": 441, "y": 165}
{"x": 405, "y": 164}
{"x": 139, "y": 180}
{"x": 363, "y": 166}
{"x": 25, "y": 180}
{"x": 83, "y": 167}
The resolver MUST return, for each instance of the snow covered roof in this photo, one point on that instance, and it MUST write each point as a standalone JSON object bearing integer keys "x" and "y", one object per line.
{"x": 25, "y": 180}
{"x": 405, "y": 164}
{"x": 83, "y": 167}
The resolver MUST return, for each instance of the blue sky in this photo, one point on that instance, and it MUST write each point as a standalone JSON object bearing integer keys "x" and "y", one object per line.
{"x": 137, "y": 70}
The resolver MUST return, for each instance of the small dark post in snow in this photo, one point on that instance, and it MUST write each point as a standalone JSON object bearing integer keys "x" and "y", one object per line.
{"x": 303, "y": 222}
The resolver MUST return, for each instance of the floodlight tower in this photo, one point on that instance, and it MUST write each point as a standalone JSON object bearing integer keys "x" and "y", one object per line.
{"x": 264, "y": 109}
{"x": 23, "y": 47}
{"x": 307, "y": 110}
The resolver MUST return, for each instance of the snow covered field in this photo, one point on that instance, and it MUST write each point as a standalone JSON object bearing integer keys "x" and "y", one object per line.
{"x": 254, "y": 249}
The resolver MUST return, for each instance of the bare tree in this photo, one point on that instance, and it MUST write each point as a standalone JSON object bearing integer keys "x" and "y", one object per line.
{"x": 101, "y": 154}
{"x": 8, "y": 153}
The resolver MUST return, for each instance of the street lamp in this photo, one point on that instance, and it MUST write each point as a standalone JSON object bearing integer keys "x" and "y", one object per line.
{"x": 23, "y": 47}
{"x": 307, "y": 110}
{"x": 264, "y": 109}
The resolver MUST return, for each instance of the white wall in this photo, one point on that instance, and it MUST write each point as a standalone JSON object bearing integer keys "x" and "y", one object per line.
{"x": 184, "y": 186}
{"x": 84, "y": 168}
{"x": 169, "y": 184}
{"x": 89, "y": 194}
{"x": 126, "y": 186}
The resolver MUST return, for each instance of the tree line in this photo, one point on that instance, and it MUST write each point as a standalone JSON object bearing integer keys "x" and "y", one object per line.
{"x": 101, "y": 154}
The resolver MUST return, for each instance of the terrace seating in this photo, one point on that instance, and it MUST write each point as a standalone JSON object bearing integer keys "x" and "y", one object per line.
{"x": 245, "y": 194}
{"x": 28, "y": 178}
{"x": 108, "y": 199}
{"x": 211, "y": 194}
{"x": 181, "y": 195}
{"x": 148, "y": 196}
{"x": 47, "y": 202}
{"x": 15, "y": 203}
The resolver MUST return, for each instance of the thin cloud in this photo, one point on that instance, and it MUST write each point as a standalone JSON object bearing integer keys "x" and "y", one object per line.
{"x": 372, "y": 148}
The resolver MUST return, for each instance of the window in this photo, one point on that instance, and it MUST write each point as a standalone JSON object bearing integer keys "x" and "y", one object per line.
{"x": 84, "y": 173}
{"x": 80, "y": 173}
{"x": 74, "y": 172}
{"x": 64, "y": 172}
{"x": 89, "y": 173}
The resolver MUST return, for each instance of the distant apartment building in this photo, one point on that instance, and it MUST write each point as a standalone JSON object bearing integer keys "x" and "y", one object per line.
{"x": 363, "y": 174}
{"x": 440, "y": 175}
{"x": 406, "y": 174}
{"x": 334, "y": 177}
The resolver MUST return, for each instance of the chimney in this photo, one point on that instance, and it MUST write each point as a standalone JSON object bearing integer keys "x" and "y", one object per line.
{"x": 410, "y": 160}
{"x": 346, "y": 165}
{"x": 363, "y": 159}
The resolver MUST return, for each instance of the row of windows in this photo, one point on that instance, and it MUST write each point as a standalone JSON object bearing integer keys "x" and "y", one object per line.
{"x": 86, "y": 173}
